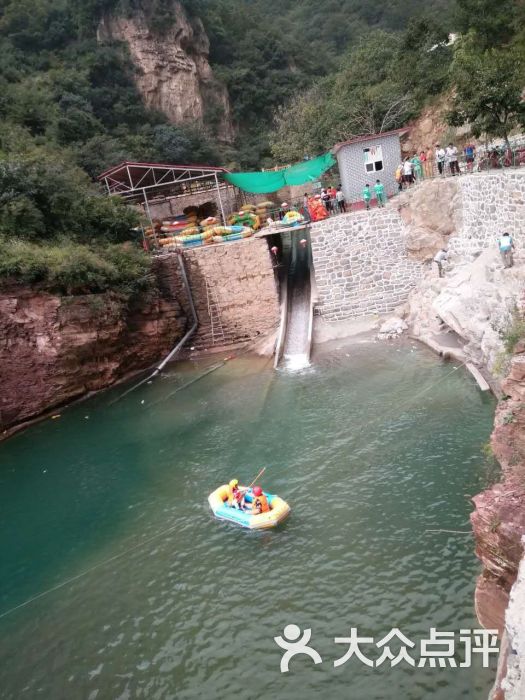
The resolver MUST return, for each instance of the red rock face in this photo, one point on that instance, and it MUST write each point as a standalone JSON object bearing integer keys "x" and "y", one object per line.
{"x": 499, "y": 518}
{"x": 54, "y": 349}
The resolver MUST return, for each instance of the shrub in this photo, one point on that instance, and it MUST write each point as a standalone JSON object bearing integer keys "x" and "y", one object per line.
{"x": 71, "y": 268}
{"x": 41, "y": 199}
{"x": 515, "y": 331}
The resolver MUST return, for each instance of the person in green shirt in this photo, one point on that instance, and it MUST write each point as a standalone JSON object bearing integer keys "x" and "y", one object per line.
{"x": 367, "y": 196}
{"x": 379, "y": 189}
{"x": 418, "y": 169}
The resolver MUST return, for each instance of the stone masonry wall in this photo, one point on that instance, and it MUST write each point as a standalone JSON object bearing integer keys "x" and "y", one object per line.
{"x": 242, "y": 277}
{"x": 492, "y": 203}
{"x": 361, "y": 265}
{"x": 361, "y": 260}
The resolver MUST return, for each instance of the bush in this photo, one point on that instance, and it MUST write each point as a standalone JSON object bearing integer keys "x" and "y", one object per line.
{"x": 515, "y": 331}
{"x": 71, "y": 268}
{"x": 41, "y": 199}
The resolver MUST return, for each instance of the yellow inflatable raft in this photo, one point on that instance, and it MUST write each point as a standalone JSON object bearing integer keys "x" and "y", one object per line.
{"x": 279, "y": 510}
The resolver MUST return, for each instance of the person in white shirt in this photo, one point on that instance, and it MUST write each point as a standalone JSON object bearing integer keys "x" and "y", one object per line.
{"x": 408, "y": 172}
{"x": 340, "y": 197}
{"x": 452, "y": 159}
{"x": 439, "y": 259}
{"x": 441, "y": 157}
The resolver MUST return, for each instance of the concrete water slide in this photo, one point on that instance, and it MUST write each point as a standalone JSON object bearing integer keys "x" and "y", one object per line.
{"x": 295, "y": 334}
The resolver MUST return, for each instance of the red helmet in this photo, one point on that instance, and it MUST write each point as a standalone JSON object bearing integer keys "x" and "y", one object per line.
{"x": 257, "y": 491}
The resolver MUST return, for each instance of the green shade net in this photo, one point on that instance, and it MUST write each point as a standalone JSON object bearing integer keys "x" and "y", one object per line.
{"x": 264, "y": 183}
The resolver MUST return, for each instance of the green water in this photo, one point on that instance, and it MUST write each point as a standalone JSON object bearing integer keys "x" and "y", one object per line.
{"x": 372, "y": 447}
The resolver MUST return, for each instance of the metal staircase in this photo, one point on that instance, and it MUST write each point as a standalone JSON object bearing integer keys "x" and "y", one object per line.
{"x": 214, "y": 312}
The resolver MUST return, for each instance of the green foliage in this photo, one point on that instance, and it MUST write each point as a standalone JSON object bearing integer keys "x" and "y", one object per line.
{"x": 515, "y": 331}
{"x": 494, "y": 23}
{"x": 41, "y": 199}
{"x": 369, "y": 93}
{"x": 70, "y": 268}
{"x": 489, "y": 86}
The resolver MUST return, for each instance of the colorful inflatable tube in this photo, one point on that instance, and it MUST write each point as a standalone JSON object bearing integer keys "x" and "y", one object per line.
{"x": 279, "y": 510}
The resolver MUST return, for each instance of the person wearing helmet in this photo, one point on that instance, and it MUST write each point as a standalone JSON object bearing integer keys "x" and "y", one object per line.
{"x": 235, "y": 495}
{"x": 260, "y": 502}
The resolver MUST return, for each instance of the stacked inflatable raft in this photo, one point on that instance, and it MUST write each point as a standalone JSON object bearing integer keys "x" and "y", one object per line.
{"x": 183, "y": 233}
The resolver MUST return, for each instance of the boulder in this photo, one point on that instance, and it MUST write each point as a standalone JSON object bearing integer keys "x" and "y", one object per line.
{"x": 392, "y": 328}
{"x": 476, "y": 299}
{"x": 431, "y": 213}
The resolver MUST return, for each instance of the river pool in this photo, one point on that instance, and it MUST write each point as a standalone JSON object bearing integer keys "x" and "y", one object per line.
{"x": 118, "y": 582}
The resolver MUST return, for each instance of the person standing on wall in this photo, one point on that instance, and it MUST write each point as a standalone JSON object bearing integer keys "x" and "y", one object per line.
{"x": 399, "y": 177}
{"x": 417, "y": 168}
{"x": 340, "y": 198}
{"x": 470, "y": 155}
{"x": 452, "y": 159}
{"x": 367, "y": 196}
{"x": 333, "y": 198}
{"x": 379, "y": 189}
{"x": 408, "y": 172}
{"x": 325, "y": 197}
{"x": 506, "y": 249}
{"x": 441, "y": 157}
{"x": 423, "y": 161}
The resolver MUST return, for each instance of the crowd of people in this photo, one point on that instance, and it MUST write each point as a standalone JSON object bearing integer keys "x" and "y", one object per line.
{"x": 430, "y": 162}
{"x": 333, "y": 199}
{"x": 439, "y": 161}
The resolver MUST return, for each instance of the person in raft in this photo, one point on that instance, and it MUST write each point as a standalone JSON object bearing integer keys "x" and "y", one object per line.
{"x": 379, "y": 189}
{"x": 260, "y": 502}
{"x": 367, "y": 196}
{"x": 236, "y": 495}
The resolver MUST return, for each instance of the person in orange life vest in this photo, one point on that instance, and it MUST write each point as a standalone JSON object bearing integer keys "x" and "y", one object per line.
{"x": 260, "y": 502}
{"x": 235, "y": 495}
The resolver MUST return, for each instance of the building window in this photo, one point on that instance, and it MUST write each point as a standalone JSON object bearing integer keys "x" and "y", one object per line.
{"x": 373, "y": 159}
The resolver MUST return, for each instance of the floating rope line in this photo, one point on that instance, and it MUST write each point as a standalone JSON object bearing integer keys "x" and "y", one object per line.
{"x": 88, "y": 571}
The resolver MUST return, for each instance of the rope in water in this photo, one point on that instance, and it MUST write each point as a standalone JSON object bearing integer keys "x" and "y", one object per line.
{"x": 88, "y": 571}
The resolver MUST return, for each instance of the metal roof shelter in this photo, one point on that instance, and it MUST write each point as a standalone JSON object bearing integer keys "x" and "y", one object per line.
{"x": 143, "y": 183}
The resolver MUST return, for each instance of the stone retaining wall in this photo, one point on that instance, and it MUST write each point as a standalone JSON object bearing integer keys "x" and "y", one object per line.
{"x": 243, "y": 280}
{"x": 492, "y": 203}
{"x": 361, "y": 265}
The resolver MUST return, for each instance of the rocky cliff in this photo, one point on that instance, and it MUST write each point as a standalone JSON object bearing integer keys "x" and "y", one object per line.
{"x": 173, "y": 73}
{"x": 55, "y": 349}
{"x": 477, "y": 298}
{"x": 498, "y": 523}
{"x": 480, "y": 305}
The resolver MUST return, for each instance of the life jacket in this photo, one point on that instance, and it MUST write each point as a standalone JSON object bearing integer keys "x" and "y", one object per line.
{"x": 237, "y": 494}
{"x": 261, "y": 504}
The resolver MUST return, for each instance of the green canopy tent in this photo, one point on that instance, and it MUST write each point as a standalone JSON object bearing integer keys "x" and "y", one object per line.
{"x": 266, "y": 182}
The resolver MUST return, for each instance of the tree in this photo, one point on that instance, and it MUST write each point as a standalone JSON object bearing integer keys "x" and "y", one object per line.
{"x": 488, "y": 89}
{"x": 491, "y": 20}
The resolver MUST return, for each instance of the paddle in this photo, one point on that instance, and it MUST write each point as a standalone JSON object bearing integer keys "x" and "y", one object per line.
{"x": 257, "y": 477}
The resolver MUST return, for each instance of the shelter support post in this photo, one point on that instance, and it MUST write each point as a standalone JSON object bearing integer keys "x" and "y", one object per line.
{"x": 220, "y": 200}
{"x": 148, "y": 212}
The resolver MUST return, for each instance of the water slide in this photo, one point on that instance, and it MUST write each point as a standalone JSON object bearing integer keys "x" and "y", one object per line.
{"x": 295, "y": 334}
